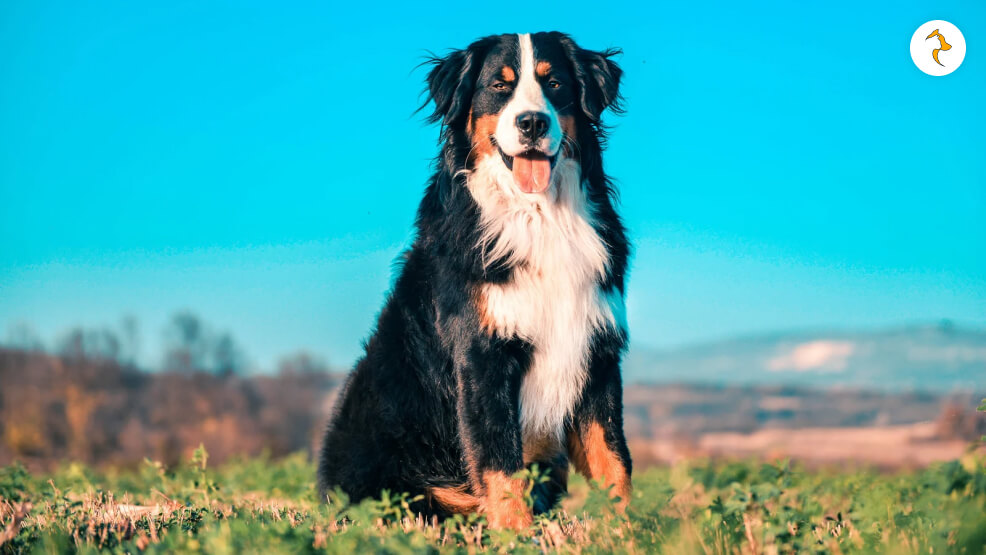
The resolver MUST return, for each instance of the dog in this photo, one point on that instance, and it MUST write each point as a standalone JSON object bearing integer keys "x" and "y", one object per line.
{"x": 499, "y": 346}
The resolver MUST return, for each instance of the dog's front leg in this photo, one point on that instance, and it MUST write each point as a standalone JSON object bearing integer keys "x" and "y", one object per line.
{"x": 489, "y": 380}
{"x": 596, "y": 443}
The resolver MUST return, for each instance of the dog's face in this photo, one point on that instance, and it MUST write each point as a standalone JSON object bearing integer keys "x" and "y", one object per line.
{"x": 524, "y": 100}
{"x": 520, "y": 102}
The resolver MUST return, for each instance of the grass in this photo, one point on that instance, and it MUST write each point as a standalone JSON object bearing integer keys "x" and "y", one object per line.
{"x": 260, "y": 505}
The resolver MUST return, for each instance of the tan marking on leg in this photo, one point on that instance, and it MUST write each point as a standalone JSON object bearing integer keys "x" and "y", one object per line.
{"x": 595, "y": 460}
{"x": 504, "y": 501}
{"x": 542, "y": 69}
{"x": 458, "y": 499}
{"x": 508, "y": 74}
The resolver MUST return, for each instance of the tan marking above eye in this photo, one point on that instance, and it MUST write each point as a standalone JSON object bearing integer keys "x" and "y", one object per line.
{"x": 508, "y": 73}
{"x": 542, "y": 69}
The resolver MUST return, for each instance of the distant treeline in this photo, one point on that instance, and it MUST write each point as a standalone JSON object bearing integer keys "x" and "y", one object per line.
{"x": 56, "y": 408}
{"x": 86, "y": 400}
{"x": 90, "y": 403}
{"x": 190, "y": 345}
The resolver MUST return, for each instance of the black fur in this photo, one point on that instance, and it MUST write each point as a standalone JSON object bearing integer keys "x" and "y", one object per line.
{"x": 432, "y": 386}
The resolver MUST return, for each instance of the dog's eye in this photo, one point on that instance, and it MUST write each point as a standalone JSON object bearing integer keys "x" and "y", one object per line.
{"x": 554, "y": 84}
{"x": 500, "y": 86}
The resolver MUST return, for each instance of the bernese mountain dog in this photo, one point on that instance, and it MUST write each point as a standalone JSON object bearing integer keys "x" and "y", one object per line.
{"x": 499, "y": 345}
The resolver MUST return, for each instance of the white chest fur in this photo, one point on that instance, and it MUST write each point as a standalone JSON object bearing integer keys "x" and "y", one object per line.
{"x": 553, "y": 300}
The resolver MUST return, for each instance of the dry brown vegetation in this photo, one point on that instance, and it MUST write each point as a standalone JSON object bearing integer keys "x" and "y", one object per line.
{"x": 87, "y": 401}
{"x": 99, "y": 411}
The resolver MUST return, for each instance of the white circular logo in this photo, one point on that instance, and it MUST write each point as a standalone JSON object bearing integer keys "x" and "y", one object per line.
{"x": 937, "y": 48}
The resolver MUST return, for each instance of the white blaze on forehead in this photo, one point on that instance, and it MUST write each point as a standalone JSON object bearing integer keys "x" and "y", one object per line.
{"x": 529, "y": 92}
{"x": 528, "y": 97}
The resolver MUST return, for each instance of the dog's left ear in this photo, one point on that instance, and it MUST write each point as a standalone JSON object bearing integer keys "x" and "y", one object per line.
{"x": 598, "y": 78}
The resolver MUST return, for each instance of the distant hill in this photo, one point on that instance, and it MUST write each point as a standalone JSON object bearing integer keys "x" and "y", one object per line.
{"x": 940, "y": 358}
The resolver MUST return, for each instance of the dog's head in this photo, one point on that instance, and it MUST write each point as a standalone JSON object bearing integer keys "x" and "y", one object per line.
{"x": 524, "y": 100}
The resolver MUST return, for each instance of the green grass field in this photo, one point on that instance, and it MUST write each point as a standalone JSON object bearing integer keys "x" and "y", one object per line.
{"x": 259, "y": 505}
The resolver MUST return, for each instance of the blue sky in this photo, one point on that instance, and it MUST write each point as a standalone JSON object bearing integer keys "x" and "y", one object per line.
{"x": 782, "y": 165}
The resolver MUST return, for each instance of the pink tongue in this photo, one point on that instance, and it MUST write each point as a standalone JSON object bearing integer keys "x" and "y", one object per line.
{"x": 532, "y": 173}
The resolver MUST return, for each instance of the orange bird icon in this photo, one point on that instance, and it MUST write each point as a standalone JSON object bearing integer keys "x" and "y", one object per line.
{"x": 944, "y": 46}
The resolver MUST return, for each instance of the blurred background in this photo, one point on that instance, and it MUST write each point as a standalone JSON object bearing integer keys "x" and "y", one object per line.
{"x": 200, "y": 206}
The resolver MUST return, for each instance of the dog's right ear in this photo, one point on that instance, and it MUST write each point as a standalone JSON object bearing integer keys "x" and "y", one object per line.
{"x": 450, "y": 87}
{"x": 452, "y": 81}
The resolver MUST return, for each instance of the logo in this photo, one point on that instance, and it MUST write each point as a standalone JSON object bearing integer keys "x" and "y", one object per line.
{"x": 937, "y": 48}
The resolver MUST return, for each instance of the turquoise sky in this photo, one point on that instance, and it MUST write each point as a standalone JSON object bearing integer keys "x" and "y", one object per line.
{"x": 782, "y": 165}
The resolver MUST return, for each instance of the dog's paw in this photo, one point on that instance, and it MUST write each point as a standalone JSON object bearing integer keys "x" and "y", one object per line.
{"x": 620, "y": 492}
{"x": 509, "y": 514}
{"x": 504, "y": 504}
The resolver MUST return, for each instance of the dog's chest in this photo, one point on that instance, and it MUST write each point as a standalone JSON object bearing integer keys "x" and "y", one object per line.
{"x": 553, "y": 301}
{"x": 557, "y": 312}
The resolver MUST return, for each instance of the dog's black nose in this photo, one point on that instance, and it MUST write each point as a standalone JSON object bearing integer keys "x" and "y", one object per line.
{"x": 532, "y": 125}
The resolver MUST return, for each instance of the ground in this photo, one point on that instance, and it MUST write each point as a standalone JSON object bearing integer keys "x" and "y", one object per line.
{"x": 261, "y": 505}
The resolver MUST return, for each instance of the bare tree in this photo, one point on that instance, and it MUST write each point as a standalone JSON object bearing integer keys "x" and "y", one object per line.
{"x": 23, "y": 336}
{"x": 300, "y": 364}
{"x": 95, "y": 344}
{"x": 185, "y": 344}
{"x": 192, "y": 347}
{"x": 227, "y": 359}
{"x": 130, "y": 340}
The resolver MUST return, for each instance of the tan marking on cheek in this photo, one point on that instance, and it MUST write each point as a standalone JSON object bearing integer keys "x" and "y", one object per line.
{"x": 504, "y": 501}
{"x": 567, "y": 125}
{"x": 595, "y": 460}
{"x": 542, "y": 69}
{"x": 469, "y": 122}
{"x": 568, "y": 128}
{"x": 508, "y": 74}
{"x": 483, "y": 128}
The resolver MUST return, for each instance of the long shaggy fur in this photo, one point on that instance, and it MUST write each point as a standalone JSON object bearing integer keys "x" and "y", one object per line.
{"x": 500, "y": 343}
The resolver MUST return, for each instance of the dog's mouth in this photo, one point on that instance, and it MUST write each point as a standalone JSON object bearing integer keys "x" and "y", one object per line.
{"x": 531, "y": 169}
